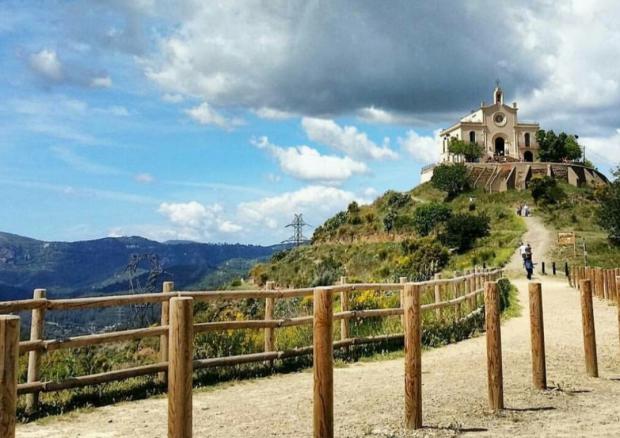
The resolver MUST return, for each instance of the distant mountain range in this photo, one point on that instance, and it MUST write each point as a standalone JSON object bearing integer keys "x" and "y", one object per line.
{"x": 99, "y": 266}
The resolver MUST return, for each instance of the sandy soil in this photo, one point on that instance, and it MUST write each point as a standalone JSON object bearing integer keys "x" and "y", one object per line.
{"x": 369, "y": 396}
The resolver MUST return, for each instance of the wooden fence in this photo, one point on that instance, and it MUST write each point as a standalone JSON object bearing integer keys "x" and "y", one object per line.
{"x": 462, "y": 294}
{"x": 604, "y": 280}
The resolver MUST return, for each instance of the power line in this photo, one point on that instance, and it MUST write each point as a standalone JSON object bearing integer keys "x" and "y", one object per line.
{"x": 298, "y": 225}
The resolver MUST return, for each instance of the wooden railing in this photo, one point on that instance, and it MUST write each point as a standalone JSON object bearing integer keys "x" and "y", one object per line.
{"x": 460, "y": 294}
{"x": 603, "y": 280}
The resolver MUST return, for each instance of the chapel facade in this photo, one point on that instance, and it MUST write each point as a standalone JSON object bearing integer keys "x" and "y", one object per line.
{"x": 497, "y": 129}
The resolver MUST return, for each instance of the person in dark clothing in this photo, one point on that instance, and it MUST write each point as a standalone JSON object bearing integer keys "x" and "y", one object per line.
{"x": 529, "y": 267}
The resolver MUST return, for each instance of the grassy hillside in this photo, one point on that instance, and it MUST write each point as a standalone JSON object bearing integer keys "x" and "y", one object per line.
{"x": 578, "y": 213}
{"x": 356, "y": 243}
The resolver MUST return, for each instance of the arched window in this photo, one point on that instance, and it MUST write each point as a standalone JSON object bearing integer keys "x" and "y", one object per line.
{"x": 527, "y": 139}
{"x": 472, "y": 136}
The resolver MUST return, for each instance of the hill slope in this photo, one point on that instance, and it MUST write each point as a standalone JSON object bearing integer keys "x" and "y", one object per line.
{"x": 357, "y": 243}
{"x": 86, "y": 267}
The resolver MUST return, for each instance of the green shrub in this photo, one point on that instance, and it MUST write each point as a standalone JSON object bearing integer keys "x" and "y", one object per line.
{"x": 422, "y": 258}
{"x": 396, "y": 200}
{"x": 462, "y": 230}
{"x": 546, "y": 191}
{"x": 427, "y": 216}
{"x": 450, "y": 178}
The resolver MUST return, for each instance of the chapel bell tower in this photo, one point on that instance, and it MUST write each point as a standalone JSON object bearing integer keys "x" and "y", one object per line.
{"x": 498, "y": 95}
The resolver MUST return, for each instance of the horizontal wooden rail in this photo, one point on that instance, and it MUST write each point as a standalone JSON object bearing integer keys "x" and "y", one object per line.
{"x": 110, "y": 376}
{"x": 87, "y": 340}
{"x": 92, "y": 379}
{"x": 451, "y": 287}
{"x": 155, "y": 298}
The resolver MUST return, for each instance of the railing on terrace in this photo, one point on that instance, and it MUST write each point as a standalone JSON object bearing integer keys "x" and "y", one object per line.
{"x": 440, "y": 300}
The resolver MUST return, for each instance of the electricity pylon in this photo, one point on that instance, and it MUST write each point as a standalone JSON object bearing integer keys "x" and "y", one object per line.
{"x": 298, "y": 225}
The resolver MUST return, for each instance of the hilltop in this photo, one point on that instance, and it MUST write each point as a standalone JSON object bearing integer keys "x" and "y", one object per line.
{"x": 99, "y": 266}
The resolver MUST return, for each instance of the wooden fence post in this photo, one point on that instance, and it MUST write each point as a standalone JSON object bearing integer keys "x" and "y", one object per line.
{"x": 344, "y": 306}
{"x": 553, "y": 268}
{"x": 458, "y": 292}
{"x": 9, "y": 369}
{"x": 37, "y": 333}
{"x": 589, "y": 333}
{"x": 437, "y": 287}
{"x": 270, "y": 338}
{"x": 618, "y": 303}
{"x": 537, "y": 331}
{"x": 494, "y": 346}
{"x": 413, "y": 357}
{"x": 167, "y": 287}
{"x": 402, "y": 280}
{"x": 180, "y": 369}
{"x": 323, "y": 363}
{"x": 600, "y": 285}
{"x": 617, "y": 273}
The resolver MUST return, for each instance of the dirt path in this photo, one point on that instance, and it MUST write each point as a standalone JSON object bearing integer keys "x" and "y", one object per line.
{"x": 541, "y": 240}
{"x": 369, "y": 396}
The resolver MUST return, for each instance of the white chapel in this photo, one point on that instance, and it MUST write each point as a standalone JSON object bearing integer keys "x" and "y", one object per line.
{"x": 497, "y": 128}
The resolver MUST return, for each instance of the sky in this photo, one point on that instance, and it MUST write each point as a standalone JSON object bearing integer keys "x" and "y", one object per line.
{"x": 217, "y": 121}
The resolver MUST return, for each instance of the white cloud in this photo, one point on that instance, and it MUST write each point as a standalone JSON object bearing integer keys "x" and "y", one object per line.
{"x": 172, "y": 98}
{"x": 144, "y": 178}
{"x": 306, "y": 163}
{"x": 574, "y": 43}
{"x": 81, "y": 163}
{"x": 116, "y": 232}
{"x": 370, "y": 192}
{"x": 373, "y": 114}
{"x": 423, "y": 149}
{"x": 195, "y": 221}
{"x": 101, "y": 82}
{"x": 273, "y": 114}
{"x": 272, "y": 177}
{"x": 315, "y": 202}
{"x": 346, "y": 139}
{"x": 603, "y": 150}
{"x": 47, "y": 64}
{"x": 206, "y": 115}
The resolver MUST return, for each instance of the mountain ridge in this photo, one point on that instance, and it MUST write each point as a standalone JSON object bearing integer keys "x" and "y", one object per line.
{"x": 99, "y": 265}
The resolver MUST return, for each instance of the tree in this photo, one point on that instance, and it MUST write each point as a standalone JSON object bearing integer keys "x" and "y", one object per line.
{"x": 463, "y": 229}
{"x": 450, "y": 178}
{"x": 608, "y": 214}
{"x": 353, "y": 208}
{"x": 388, "y": 221}
{"x": 557, "y": 148}
{"x": 427, "y": 216}
{"x": 546, "y": 190}
{"x": 396, "y": 200}
{"x": 471, "y": 151}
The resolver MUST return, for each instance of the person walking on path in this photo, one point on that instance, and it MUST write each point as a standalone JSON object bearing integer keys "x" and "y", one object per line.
{"x": 528, "y": 263}
{"x": 529, "y": 267}
{"x": 523, "y": 251}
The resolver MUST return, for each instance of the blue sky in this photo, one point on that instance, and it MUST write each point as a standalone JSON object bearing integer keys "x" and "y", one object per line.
{"x": 217, "y": 121}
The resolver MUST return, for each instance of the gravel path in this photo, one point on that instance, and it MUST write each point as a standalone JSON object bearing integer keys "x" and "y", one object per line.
{"x": 369, "y": 396}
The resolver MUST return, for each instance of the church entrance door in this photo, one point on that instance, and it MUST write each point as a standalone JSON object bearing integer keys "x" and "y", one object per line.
{"x": 527, "y": 156}
{"x": 499, "y": 146}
